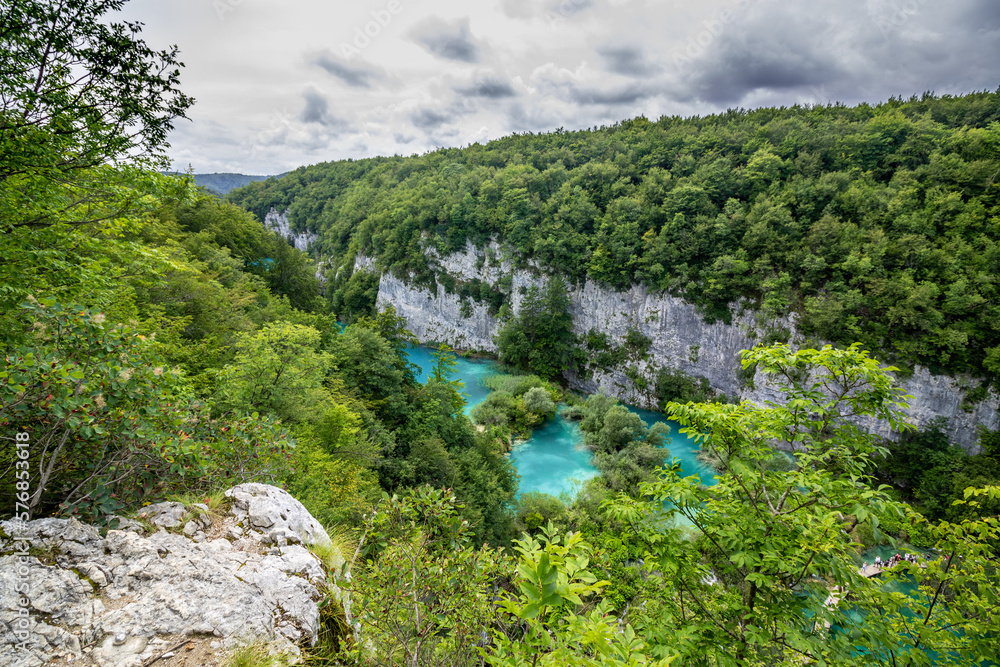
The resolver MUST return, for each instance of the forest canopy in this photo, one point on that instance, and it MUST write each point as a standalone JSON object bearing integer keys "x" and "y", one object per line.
{"x": 877, "y": 224}
{"x": 158, "y": 343}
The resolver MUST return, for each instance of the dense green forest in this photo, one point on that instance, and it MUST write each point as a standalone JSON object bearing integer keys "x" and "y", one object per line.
{"x": 877, "y": 224}
{"x": 160, "y": 343}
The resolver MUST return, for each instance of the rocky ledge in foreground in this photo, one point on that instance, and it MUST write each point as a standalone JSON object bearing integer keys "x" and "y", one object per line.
{"x": 122, "y": 600}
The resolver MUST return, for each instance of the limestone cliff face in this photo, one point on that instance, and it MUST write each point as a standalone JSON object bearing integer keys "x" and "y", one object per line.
{"x": 279, "y": 223}
{"x": 681, "y": 339}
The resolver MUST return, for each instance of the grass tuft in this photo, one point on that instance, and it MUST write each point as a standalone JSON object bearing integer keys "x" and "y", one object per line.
{"x": 255, "y": 655}
{"x": 334, "y": 556}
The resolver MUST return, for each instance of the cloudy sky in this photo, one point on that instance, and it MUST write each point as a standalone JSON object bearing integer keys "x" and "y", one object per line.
{"x": 285, "y": 83}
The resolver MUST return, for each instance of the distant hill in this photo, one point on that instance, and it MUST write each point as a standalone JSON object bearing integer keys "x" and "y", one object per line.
{"x": 221, "y": 184}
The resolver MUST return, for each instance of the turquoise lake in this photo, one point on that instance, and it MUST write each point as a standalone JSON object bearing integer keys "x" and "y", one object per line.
{"x": 470, "y": 372}
{"x": 553, "y": 460}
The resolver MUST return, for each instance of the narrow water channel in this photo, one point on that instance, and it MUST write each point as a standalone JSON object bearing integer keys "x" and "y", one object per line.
{"x": 554, "y": 460}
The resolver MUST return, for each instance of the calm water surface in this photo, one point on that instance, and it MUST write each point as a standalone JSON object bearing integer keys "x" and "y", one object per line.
{"x": 470, "y": 372}
{"x": 553, "y": 460}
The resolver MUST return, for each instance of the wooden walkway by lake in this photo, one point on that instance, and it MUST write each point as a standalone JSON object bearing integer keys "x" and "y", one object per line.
{"x": 838, "y": 593}
{"x": 871, "y": 571}
{"x": 875, "y": 570}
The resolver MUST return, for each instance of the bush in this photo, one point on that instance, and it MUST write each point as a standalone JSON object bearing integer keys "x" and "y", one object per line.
{"x": 676, "y": 386}
{"x": 499, "y": 408}
{"x": 109, "y": 426}
{"x": 535, "y": 509}
{"x": 637, "y": 343}
{"x": 537, "y": 400}
{"x": 518, "y": 402}
{"x": 514, "y": 384}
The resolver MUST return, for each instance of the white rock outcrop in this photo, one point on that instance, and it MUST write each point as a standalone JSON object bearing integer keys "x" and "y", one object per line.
{"x": 681, "y": 339}
{"x": 119, "y": 599}
{"x": 278, "y": 222}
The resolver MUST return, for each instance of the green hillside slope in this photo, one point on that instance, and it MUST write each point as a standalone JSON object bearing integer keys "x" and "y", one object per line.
{"x": 873, "y": 223}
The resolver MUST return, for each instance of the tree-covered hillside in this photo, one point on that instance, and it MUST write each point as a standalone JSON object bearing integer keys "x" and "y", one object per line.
{"x": 877, "y": 224}
{"x": 156, "y": 341}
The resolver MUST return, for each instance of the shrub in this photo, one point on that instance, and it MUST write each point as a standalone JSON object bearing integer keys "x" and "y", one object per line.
{"x": 537, "y": 400}
{"x": 109, "y": 426}
{"x": 535, "y": 509}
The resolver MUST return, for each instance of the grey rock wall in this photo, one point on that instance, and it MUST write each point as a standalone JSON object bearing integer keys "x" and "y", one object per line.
{"x": 278, "y": 222}
{"x": 681, "y": 339}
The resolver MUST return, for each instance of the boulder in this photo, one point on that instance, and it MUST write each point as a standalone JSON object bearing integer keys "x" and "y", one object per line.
{"x": 164, "y": 515}
{"x": 281, "y": 518}
{"x": 115, "y": 599}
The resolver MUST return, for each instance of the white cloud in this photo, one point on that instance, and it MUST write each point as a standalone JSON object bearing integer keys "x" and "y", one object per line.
{"x": 276, "y": 88}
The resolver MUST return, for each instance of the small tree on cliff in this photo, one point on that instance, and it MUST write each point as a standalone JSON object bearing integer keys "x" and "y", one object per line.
{"x": 540, "y": 339}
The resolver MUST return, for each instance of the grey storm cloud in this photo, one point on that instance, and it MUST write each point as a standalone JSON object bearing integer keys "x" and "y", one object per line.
{"x": 627, "y": 60}
{"x": 768, "y": 49}
{"x": 428, "y": 119}
{"x": 983, "y": 17}
{"x": 490, "y": 87}
{"x": 356, "y": 75}
{"x": 537, "y": 65}
{"x": 859, "y": 50}
{"x": 451, "y": 41}
{"x": 317, "y": 110}
{"x": 739, "y": 72}
{"x": 613, "y": 96}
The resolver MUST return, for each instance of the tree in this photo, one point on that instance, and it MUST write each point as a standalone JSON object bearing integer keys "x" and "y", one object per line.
{"x": 78, "y": 91}
{"x": 278, "y": 370}
{"x": 538, "y": 400}
{"x": 872, "y": 223}
{"x": 109, "y": 424}
{"x": 78, "y": 263}
{"x": 625, "y": 450}
{"x": 69, "y": 390}
{"x": 776, "y": 540}
{"x": 619, "y": 428}
{"x": 420, "y": 588}
{"x": 552, "y": 603}
{"x": 374, "y": 370}
{"x": 392, "y": 328}
{"x": 85, "y": 107}
{"x": 540, "y": 339}
{"x": 444, "y": 364}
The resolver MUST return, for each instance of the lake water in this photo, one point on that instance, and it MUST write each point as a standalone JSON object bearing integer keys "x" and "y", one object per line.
{"x": 553, "y": 460}
{"x": 470, "y": 372}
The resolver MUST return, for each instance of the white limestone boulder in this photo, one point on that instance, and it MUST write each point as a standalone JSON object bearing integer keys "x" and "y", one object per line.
{"x": 116, "y": 599}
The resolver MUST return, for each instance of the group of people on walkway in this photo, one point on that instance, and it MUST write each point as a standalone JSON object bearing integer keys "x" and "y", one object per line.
{"x": 892, "y": 561}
